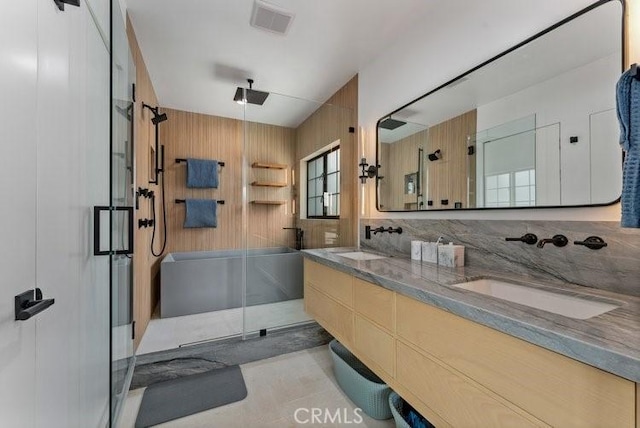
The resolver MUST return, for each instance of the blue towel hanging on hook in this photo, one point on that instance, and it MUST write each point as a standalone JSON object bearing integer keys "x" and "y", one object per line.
{"x": 628, "y": 109}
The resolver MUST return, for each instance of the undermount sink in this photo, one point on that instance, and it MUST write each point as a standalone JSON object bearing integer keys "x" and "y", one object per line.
{"x": 561, "y": 304}
{"x": 361, "y": 255}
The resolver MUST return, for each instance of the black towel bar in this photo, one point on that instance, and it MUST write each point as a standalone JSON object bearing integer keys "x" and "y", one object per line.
{"x": 180, "y": 160}
{"x": 182, "y": 201}
{"x": 635, "y": 71}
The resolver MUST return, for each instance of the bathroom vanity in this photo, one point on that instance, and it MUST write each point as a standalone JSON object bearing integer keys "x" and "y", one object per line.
{"x": 463, "y": 359}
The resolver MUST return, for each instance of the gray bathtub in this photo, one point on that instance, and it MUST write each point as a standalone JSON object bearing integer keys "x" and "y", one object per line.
{"x": 206, "y": 281}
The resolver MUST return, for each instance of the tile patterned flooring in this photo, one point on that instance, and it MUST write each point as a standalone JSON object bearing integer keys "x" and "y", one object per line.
{"x": 170, "y": 333}
{"x": 277, "y": 387}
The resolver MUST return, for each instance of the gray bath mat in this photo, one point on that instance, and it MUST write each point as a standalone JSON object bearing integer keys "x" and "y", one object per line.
{"x": 176, "y": 398}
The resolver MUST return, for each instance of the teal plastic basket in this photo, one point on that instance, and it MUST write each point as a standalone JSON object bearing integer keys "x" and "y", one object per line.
{"x": 395, "y": 404}
{"x": 362, "y": 386}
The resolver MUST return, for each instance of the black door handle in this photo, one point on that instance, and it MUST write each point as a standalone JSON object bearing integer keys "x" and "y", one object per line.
{"x": 30, "y": 303}
{"x": 97, "y": 247}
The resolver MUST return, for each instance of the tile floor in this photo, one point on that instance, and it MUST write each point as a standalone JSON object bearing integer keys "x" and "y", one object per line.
{"x": 170, "y": 333}
{"x": 277, "y": 387}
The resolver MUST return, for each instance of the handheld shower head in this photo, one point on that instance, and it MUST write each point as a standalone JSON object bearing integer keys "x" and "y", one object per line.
{"x": 157, "y": 116}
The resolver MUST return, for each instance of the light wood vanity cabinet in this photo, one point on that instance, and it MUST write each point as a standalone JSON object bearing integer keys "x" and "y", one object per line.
{"x": 459, "y": 373}
{"x": 559, "y": 390}
{"x": 461, "y": 402}
{"x": 375, "y": 303}
{"x": 337, "y": 285}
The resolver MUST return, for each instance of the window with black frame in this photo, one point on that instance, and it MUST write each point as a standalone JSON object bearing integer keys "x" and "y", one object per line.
{"x": 323, "y": 185}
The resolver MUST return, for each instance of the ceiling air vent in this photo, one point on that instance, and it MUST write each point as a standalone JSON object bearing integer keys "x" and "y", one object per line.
{"x": 270, "y": 18}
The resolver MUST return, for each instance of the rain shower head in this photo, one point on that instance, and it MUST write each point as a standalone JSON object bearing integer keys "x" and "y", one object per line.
{"x": 391, "y": 124}
{"x": 158, "y": 118}
{"x": 250, "y": 96}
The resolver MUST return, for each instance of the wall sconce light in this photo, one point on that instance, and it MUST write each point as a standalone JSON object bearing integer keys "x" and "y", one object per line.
{"x": 435, "y": 155}
{"x": 368, "y": 171}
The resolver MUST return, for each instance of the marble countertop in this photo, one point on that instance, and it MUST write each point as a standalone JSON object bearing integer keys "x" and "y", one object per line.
{"x": 610, "y": 341}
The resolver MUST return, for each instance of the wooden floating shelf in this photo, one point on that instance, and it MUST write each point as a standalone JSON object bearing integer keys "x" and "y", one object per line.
{"x": 266, "y": 165}
{"x": 269, "y": 202}
{"x": 268, "y": 184}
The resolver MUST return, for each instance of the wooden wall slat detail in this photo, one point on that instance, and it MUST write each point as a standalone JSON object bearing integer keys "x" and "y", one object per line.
{"x": 144, "y": 294}
{"x": 327, "y": 124}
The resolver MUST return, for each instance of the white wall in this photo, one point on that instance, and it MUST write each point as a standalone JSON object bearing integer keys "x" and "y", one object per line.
{"x": 457, "y": 36}
{"x": 575, "y": 95}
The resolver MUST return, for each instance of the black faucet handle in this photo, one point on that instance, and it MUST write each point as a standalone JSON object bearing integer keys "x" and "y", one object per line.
{"x": 557, "y": 240}
{"x": 527, "y": 238}
{"x": 592, "y": 242}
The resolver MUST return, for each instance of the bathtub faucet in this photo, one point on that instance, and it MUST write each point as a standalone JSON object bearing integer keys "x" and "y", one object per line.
{"x": 299, "y": 235}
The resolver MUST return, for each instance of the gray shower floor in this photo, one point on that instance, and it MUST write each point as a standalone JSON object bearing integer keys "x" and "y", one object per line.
{"x": 170, "y": 333}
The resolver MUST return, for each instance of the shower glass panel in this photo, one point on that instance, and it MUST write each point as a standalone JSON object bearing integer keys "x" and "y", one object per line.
{"x": 296, "y": 152}
{"x": 121, "y": 213}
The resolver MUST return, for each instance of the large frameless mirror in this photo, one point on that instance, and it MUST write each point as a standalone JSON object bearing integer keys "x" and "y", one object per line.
{"x": 535, "y": 126}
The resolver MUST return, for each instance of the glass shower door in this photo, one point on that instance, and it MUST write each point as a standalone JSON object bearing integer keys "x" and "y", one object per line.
{"x": 280, "y": 136}
{"x": 121, "y": 214}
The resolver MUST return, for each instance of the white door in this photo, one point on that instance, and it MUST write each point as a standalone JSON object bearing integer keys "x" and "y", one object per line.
{"x": 54, "y": 167}
{"x": 18, "y": 80}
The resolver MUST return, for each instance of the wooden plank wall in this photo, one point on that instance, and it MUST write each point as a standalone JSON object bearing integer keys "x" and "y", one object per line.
{"x": 402, "y": 159}
{"x": 194, "y": 135}
{"x": 276, "y": 145}
{"x": 324, "y": 126}
{"x": 144, "y": 295}
{"x": 444, "y": 179}
{"x": 448, "y": 175}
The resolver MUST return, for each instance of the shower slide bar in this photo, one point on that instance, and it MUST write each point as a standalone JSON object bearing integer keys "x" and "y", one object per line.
{"x": 180, "y": 160}
{"x": 182, "y": 201}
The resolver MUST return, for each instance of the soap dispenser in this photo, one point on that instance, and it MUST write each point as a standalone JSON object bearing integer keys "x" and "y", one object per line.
{"x": 451, "y": 255}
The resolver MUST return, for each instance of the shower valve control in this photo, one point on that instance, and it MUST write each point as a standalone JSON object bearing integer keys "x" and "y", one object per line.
{"x": 145, "y": 222}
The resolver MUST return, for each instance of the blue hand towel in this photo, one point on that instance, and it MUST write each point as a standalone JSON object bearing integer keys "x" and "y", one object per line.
{"x": 201, "y": 213}
{"x": 628, "y": 109}
{"x": 202, "y": 173}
